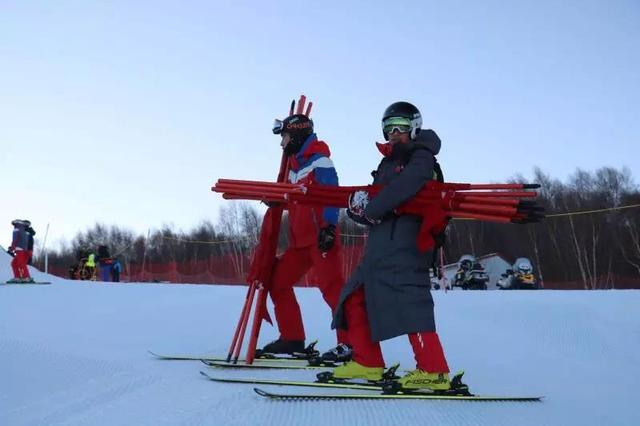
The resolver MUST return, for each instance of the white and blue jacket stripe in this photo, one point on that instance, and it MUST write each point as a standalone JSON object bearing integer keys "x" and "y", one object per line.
{"x": 317, "y": 168}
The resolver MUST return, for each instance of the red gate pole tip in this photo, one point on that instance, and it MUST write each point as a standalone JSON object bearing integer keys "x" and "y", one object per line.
{"x": 301, "y": 102}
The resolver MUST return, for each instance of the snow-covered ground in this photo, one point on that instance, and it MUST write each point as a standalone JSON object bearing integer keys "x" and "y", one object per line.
{"x": 75, "y": 353}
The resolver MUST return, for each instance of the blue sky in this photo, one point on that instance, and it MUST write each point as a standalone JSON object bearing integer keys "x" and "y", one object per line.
{"x": 127, "y": 112}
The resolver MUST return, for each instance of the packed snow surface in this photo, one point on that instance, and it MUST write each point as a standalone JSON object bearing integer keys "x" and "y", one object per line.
{"x": 75, "y": 353}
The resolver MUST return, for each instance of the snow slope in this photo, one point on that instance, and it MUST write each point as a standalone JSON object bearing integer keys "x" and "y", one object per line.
{"x": 75, "y": 353}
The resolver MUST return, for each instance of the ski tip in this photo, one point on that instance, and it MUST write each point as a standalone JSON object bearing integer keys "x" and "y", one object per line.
{"x": 206, "y": 375}
{"x": 261, "y": 392}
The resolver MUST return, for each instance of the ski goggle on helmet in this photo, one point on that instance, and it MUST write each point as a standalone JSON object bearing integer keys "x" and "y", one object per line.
{"x": 278, "y": 126}
{"x": 399, "y": 124}
{"x": 297, "y": 124}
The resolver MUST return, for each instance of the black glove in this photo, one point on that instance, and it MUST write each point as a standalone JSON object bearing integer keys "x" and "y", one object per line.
{"x": 11, "y": 252}
{"x": 327, "y": 237}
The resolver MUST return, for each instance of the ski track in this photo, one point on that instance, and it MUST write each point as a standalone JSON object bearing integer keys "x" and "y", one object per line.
{"x": 73, "y": 385}
{"x": 76, "y": 354}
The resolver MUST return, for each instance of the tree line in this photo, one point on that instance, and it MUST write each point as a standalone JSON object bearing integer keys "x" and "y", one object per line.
{"x": 589, "y": 236}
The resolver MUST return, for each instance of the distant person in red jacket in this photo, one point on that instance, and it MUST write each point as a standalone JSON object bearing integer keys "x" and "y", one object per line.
{"x": 314, "y": 240}
{"x": 19, "y": 249}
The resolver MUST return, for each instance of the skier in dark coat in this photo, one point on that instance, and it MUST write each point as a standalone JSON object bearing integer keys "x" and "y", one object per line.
{"x": 389, "y": 293}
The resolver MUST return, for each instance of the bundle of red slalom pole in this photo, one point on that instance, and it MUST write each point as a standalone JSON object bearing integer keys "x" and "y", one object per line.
{"x": 486, "y": 202}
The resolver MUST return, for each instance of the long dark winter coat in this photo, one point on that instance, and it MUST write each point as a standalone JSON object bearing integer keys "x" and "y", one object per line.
{"x": 394, "y": 273}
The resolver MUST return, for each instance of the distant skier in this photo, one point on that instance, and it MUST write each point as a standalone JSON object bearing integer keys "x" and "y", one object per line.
{"x": 314, "y": 240}
{"x": 90, "y": 266}
{"x": 519, "y": 277}
{"x": 116, "y": 267}
{"x": 20, "y": 249}
{"x": 105, "y": 261}
{"x": 388, "y": 294}
{"x": 470, "y": 275}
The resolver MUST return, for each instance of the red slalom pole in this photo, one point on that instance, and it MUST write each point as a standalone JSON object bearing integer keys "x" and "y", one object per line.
{"x": 488, "y": 200}
{"x": 301, "y": 103}
{"x": 501, "y": 210}
{"x": 261, "y": 304}
{"x": 261, "y": 300}
{"x": 236, "y": 353}
{"x": 484, "y": 217}
{"x": 251, "y": 183}
{"x": 242, "y": 323}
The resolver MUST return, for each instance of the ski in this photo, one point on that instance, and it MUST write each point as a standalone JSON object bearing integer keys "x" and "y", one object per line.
{"x": 255, "y": 381}
{"x": 293, "y": 397}
{"x": 325, "y": 380}
{"x": 272, "y": 365}
{"x": 209, "y": 357}
{"x": 33, "y": 283}
{"x": 309, "y": 353}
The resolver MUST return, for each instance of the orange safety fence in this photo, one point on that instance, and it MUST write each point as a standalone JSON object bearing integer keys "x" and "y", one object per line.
{"x": 227, "y": 269}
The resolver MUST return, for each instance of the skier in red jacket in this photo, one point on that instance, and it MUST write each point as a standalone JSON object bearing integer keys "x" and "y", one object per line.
{"x": 19, "y": 249}
{"x": 314, "y": 240}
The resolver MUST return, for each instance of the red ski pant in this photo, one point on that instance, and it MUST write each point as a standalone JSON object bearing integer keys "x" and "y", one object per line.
{"x": 19, "y": 264}
{"x": 427, "y": 349}
{"x": 288, "y": 270}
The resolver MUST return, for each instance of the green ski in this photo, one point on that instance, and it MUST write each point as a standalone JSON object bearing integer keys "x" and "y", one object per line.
{"x": 293, "y": 397}
{"x": 254, "y": 381}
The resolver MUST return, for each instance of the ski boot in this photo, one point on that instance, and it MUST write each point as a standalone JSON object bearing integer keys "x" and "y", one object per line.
{"x": 341, "y": 353}
{"x": 280, "y": 346}
{"x": 353, "y": 370}
{"x": 28, "y": 280}
{"x": 420, "y": 381}
{"x": 338, "y": 355}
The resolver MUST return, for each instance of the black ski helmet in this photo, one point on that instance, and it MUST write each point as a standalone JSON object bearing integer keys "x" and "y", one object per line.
{"x": 403, "y": 110}
{"x": 298, "y": 126}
